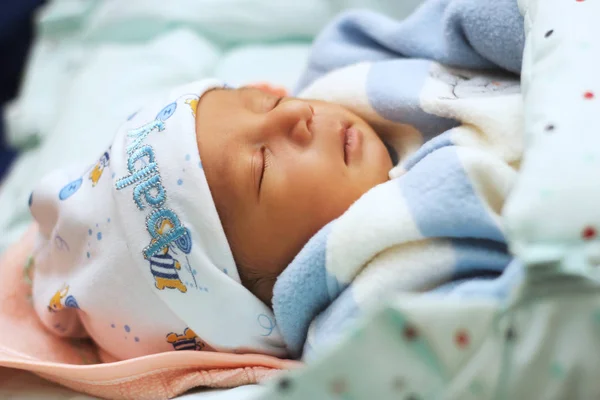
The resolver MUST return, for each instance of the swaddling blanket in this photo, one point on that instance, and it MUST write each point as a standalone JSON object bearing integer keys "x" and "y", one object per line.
{"x": 436, "y": 223}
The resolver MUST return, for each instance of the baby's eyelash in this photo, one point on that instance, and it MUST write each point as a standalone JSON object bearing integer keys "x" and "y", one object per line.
{"x": 277, "y": 102}
{"x": 266, "y": 158}
{"x": 266, "y": 164}
{"x": 262, "y": 169}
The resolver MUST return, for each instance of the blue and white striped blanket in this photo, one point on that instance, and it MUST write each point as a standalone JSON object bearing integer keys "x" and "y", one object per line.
{"x": 440, "y": 88}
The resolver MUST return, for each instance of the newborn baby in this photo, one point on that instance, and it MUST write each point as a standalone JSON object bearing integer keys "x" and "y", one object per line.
{"x": 173, "y": 240}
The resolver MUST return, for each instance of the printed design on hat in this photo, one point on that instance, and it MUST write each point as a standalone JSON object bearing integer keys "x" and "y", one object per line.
{"x": 187, "y": 341}
{"x": 56, "y": 301}
{"x": 266, "y": 323}
{"x": 61, "y": 244}
{"x": 167, "y": 232}
{"x": 166, "y": 112}
{"x": 70, "y": 189}
{"x": 164, "y": 266}
{"x": 96, "y": 172}
{"x": 193, "y": 103}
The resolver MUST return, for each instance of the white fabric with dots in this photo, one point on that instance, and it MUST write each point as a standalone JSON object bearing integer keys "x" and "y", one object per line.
{"x": 553, "y": 213}
{"x": 531, "y": 346}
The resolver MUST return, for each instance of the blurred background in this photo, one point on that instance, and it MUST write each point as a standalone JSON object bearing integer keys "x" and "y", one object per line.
{"x": 73, "y": 70}
{"x": 16, "y": 32}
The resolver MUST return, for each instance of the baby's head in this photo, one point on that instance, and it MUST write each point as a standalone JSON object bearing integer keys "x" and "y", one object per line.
{"x": 279, "y": 169}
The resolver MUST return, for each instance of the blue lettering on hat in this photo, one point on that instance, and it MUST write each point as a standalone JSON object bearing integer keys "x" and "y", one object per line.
{"x": 145, "y": 188}
{"x": 184, "y": 243}
{"x": 145, "y": 176}
{"x": 139, "y": 134}
{"x": 137, "y": 175}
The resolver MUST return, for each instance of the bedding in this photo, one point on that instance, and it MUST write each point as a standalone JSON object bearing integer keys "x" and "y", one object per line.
{"x": 437, "y": 222}
{"x": 526, "y": 335}
{"x": 561, "y": 94}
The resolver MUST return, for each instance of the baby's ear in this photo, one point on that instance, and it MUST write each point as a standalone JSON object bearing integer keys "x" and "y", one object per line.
{"x": 279, "y": 91}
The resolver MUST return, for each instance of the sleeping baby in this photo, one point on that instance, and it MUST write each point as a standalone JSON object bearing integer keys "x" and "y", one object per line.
{"x": 174, "y": 238}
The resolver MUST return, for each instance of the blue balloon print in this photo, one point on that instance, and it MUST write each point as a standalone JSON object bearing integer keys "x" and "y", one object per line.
{"x": 70, "y": 302}
{"x": 70, "y": 189}
{"x": 30, "y": 199}
{"x": 266, "y": 323}
{"x": 127, "y": 328}
{"x": 131, "y": 116}
{"x": 184, "y": 242}
{"x": 166, "y": 112}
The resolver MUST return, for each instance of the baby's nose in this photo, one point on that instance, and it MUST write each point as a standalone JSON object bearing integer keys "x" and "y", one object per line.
{"x": 292, "y": 119}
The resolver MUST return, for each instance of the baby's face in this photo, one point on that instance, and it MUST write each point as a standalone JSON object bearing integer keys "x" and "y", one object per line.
{"x": 280, "y": 169}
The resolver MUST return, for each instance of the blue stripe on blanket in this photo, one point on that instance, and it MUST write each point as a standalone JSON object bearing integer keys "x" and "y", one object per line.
{"x": 499, "y": 288}
{"x": 477, "y": 257}
{"x": 393, "y": 90}
{"x": 301, "y": 291}
{"x": 443, "y": 140}
{"x": 443, "y": 202}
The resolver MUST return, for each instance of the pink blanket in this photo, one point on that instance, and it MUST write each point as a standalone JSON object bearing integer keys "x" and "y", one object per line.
{"x": 80, "y": 365}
